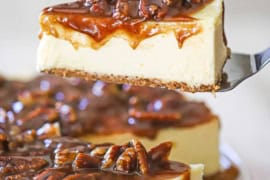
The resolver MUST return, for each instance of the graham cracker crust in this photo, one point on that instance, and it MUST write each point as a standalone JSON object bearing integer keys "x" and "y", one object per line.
{"x": 136, "y": 81}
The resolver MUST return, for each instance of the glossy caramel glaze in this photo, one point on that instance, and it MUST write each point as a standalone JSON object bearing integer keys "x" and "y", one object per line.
{"x": 101, "y": 19}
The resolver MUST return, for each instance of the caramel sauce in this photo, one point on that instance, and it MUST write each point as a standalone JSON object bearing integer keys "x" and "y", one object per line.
{"x": 100, "y": 24}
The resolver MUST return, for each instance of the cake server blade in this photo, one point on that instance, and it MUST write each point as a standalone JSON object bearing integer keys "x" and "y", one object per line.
{"x": 242, "y": 66}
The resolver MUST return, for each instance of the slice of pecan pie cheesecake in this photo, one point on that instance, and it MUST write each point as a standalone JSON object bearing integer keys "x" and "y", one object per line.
{"x": 169, "y": 43}
{"x": 97, "y": 112}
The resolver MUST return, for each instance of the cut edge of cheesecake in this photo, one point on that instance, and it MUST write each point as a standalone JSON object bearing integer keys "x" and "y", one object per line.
{"x": 75, "y": 43}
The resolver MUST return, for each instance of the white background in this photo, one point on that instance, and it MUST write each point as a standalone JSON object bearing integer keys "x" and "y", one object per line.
{"x": 245, "y": 111}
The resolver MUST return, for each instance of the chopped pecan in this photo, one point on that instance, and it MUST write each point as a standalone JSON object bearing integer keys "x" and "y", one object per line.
{"x": 161, "y": 152}
{"x": 126, "y": 162}
{"x": 141, "y": 156}
{"x": 110, "y": 156}
{"x": 83, "y": 161}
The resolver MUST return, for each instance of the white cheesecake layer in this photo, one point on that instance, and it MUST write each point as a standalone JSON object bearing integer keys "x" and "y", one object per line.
{"x": 198, "y": 62}
{"x": 191, "y": 145}
{"x": 196, "y": 173}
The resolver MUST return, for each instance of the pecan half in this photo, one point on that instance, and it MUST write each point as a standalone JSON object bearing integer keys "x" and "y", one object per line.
{"x": 166, "y": 117}
{"x": 50, "y": 174}
{"x": 121, "y": 9}
{"x": 161, "y": 152}
{"x": 127, "y": 161}
{"x": 110, "y": 156}
{"x": 99, "y": 151}
{"x": 83, "y": 161}
{"x": 141, "y": 156}
{"x": 64, "y": 157}
{"x": 49, "y": 130}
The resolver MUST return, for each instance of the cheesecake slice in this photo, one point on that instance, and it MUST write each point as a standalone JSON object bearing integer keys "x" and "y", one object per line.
{"x": 167, "y": 43}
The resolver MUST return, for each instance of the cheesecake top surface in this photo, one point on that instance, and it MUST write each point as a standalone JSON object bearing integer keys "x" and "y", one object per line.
{"x": 52, "y": 106}
{"x": 136, "y": 20}
{"x": 70, "y": 159}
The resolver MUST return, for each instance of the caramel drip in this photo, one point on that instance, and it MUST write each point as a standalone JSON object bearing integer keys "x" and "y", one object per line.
{"x": 100, "y": 30}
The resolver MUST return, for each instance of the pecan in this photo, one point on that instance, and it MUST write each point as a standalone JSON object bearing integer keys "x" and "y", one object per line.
{"x": 46, "y": 114}
{"x": 26, "y": 98}
{"x": 49, "y": 130}
{"x": 168, "y": 2}
{"x": 67, "y": 112}
{"x": 26, "y": 137}
{"x": 141, "y": 156}
{"x": 166, "y": 117}
{"x": 51, "y": 174}
{"x": 126, "y": 162}
{"x": 110, "y": 156}
{"x": 143, "y": 10}
{"x": 99, "y": 151}
{"x": 31, "y": 97}
{"x": 64, "y": 157}
{"x": 121, "y": 9}
{"x": 153, "y": 10}
{"x": 98, "y": 7}
{"x": 161, "y": 152}
{"x": 83, "y": 161}
{"x": 90, "y": 176}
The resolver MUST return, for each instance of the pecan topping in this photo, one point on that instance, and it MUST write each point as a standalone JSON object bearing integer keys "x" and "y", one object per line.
{"x": 16, "y": 165}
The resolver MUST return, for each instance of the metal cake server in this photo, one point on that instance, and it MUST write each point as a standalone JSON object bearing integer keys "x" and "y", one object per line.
{"x": 241, "y": 67}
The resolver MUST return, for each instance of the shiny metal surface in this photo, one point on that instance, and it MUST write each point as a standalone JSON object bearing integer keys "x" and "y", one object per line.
{"x": 242, "y": 66}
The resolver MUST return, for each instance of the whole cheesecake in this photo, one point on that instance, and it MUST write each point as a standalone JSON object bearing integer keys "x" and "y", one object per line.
{"x": 97, "y": 112}
{"x": 168, "y": 43}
